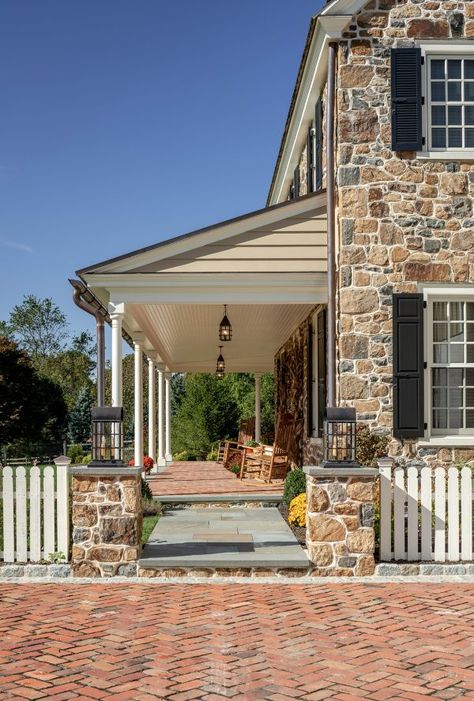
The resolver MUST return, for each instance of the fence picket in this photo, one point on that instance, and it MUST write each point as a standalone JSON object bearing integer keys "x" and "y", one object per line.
{"x": 62, "y": 509}
{"x": 440, "y": 515}
{"x": 426, "y": 514}
{"x": 8, "y": 516}
{"x": 35, "y": 514}
{"x": 386, "y": 512}
{"x": 453, "y": 514}
{"x": 399, "y": 500}
{"x": 466, "y": 513}
{"x": 48, "y": 512}
{"x": 20, "y": 508}
{"x": 412, "y": 489}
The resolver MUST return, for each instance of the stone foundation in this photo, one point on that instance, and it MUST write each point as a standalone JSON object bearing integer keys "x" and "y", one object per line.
{"x": 107, "y": 521}
{"x": 340, "y": 521}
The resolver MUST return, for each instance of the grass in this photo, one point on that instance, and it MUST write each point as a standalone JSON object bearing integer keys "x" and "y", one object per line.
{"x": 149, "y": 522}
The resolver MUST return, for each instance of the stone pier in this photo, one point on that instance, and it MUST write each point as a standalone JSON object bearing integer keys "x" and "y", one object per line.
{"x": 106, "y": 521}
{"x": 340, "y": 520}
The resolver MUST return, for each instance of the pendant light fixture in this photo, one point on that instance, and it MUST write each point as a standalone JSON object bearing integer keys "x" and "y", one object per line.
{"x": 220, "y": 365}
{"x": 225, "y": 327}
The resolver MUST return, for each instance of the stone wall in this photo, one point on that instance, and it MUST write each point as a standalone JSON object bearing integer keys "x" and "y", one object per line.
{"x": 402, "y": 220}
{"x": 107, "y": 522}
{"x": 291, "y": 375}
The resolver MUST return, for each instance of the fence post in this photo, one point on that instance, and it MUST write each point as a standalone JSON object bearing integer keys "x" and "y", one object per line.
{"x": 62, "y": 487}
{"x": 385, "y": 471}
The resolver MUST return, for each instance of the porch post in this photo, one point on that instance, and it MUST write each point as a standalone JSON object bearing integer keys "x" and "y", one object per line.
{"x": 138, "y": 398}
{"x": 168, "y": 456}
{"x": 151, "y": 411}
{"x": 116, "y": 316}
{"x": 258, "y": 378}
{"x": 161, "y": 417}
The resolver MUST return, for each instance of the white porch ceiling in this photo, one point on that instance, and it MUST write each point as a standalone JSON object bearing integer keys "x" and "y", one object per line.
{"x": 185, "y": 336}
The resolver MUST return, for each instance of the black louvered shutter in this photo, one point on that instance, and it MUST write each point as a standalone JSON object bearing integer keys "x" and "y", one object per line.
{"x": 318, "y": 147}
{"x": 321, "y": 376}
{"x": 309, "y": 380}
{"x": 408, "y": 366}
{"x": 296, "y": 182}
{"x": 406, "y": 100}
{"x": 310, "y": 161}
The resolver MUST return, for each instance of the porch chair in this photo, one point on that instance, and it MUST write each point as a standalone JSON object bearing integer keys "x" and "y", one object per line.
{"x": 232, "y": 450}
{"x": 270, "y": 461}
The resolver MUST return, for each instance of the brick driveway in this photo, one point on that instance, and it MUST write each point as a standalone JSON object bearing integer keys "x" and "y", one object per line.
{"x": 243, "y": 641}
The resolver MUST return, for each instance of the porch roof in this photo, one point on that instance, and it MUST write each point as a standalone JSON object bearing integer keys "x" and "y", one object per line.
{"x": 269, "y": 266}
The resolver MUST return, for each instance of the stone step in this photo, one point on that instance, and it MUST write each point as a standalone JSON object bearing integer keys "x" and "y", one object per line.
{"x": 203, "y": 499}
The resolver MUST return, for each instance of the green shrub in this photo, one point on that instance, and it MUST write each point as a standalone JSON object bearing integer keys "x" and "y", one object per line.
{"x": 295, "y": 484}
{"x": 76, "y": 453}
{"x": 370, "y": 446}
{"x": 152, "y": 507}
{"x": 184, "y": 455}
{"x": 146, "y": 490}
{"x": 235, "y": 469}
{"x": 212, "y": 455}
{"x": 252, "y": 444}
{"x": 86, "y": 459}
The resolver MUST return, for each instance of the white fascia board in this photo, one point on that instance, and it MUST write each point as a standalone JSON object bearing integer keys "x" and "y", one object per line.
{"x": 305, "y": 205}
{"x": 328, "y": 28}
{"x": 343, "y": 7}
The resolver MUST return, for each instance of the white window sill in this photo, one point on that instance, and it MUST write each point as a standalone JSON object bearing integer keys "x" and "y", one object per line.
{"x": 463, "y": 155}
{"x": 447, "y": 442}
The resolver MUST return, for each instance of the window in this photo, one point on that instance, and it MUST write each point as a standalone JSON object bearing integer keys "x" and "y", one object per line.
{"x": 451, "y": 365}
{"x": 451, "y": 102}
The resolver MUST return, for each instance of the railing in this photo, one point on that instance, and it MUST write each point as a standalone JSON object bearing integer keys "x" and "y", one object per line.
{"x": 35, "y": 513}
{"x": 426, "y": 515}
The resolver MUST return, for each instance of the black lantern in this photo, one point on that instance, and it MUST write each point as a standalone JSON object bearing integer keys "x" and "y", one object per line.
{"x": 340, "y": 438}
{"x": 225, "y": 327}
{"x": 220, "y": 365}
{"x": 107, "y": 436}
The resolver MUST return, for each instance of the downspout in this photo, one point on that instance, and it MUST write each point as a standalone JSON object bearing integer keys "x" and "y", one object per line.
{"x": 331, "y": 226}
{"x": 79, "y": 290}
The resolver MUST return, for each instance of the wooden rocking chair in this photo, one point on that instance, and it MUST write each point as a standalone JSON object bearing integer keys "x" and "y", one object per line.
{"x": 232, "y": 450}
{"x": 270, "y": 461}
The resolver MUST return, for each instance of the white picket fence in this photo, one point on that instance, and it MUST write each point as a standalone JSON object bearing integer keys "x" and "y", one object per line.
{"x": 426, "y": 515}
{"x": 35, "y": 513}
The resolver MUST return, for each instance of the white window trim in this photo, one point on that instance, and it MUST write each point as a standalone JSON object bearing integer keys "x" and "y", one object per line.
{"x": 443, "y": 49}
{"x": 430, "y": 294}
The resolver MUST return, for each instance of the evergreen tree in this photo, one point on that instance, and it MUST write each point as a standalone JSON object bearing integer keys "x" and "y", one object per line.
{"x": 79, "y": 427}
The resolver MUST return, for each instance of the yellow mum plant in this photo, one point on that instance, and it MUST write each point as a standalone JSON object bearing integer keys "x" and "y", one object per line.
{"x": 297, "y": 510}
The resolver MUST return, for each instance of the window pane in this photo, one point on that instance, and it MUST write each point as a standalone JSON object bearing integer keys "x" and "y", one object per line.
{"x": 440, "y": 353}
{"x": 470, "y": 397}
{"x": 437, "y": 68}
{"x": 440, "y": 376}
{"x": 470, "y": 377}
{"x": 457, "y": 353}
{"x": 457, "y": 332}
{"x": 454, "y": 92}
{"x": 440, "y": 418}
{"x": 470, "y": 353}
{"x": 456, "y": 377}
{"x": 454, "y": 115}
{"x": 454, "y": 68}
{"x": 438, "y": 138}
{"x": 440, "y": 397}
{"x": 455, "y": 398}
{"x": 469, "y": 418}
{"x": 455, "y": 138}
{"x": 440, "y": 332}
{"x": 469, "y": 69}
{"x": 468, "y": 114}
{"x": 438, "y": 115}
{"x": 470, "y": 310}
{"x": 440, "y": 311}
{"x": 469, "y": 138}
{"x": 455, "y": 418}
{"x": 469, "y": 92}
{"x": 470, "y": 332}
{"x": 457, "y": 310}
{"x": 438, "y": 93}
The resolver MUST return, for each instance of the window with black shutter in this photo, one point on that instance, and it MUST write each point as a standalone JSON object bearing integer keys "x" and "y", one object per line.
{"x": 317, "y": 372}
{"x": 310, "y": 160}
{"x": 406, "y": 97}
{"x": 408, "y": 366}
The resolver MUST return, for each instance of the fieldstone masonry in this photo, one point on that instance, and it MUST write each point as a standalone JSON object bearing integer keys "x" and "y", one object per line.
{"x": 340, "y": 521}
{"x": 107, "y": 521}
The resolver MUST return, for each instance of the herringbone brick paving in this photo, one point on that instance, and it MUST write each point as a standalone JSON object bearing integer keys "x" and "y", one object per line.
{"x": 343, "y": 642}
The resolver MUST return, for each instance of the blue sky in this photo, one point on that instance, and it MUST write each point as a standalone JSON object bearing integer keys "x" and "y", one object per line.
{"x": 126, "y": 122}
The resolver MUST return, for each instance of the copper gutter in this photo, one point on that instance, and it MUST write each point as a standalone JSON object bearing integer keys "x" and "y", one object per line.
{"x": 331, "y": 226}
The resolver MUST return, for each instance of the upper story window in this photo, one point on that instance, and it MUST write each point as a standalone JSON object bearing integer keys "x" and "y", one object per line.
{"x": 451, "y": 102}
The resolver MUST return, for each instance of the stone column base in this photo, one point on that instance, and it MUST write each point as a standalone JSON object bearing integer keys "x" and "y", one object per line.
{"x": 107, "y": 521}
{"x": 340, "y": 520}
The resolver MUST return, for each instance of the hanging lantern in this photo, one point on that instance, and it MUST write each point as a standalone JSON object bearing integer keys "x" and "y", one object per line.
{"x": 220, "y": 365}
{"x": 225, "y": 327}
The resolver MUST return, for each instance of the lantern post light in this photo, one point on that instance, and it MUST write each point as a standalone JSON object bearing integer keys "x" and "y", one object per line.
{"x": 107, "y": 437}
{"x": 340, "y": 432}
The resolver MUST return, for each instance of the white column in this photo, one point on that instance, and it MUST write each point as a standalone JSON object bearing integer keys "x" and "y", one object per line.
{"x": 257, "y": 406}
{"x": 116, "y": 317}
{"x": 168, "y": 456}
{"x": 161, "y": 418}
{"x": 138, "y": 398}
{"x": 151, "y": 411}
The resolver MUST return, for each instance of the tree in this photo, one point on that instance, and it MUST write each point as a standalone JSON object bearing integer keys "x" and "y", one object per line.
{"x": 72, "y": 371}
{"x": 79, "y": 425}
{"x": 207, "y": 413}
{"x": 128, "y": 393}
{"x": 242, "y": 388}
{"x": 32, "y": 407}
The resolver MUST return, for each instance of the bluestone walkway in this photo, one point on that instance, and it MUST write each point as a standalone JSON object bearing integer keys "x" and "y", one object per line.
{"x": 251, "y": 642}
{"x": 206, "y": 478}
{"x": 223, "y": 538}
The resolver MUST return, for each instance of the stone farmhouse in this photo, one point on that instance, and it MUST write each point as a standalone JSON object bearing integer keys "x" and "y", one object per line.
{"x": 355, "y": 282}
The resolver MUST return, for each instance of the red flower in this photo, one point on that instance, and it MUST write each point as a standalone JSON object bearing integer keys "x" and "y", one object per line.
{"x": 147, "y": 463}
